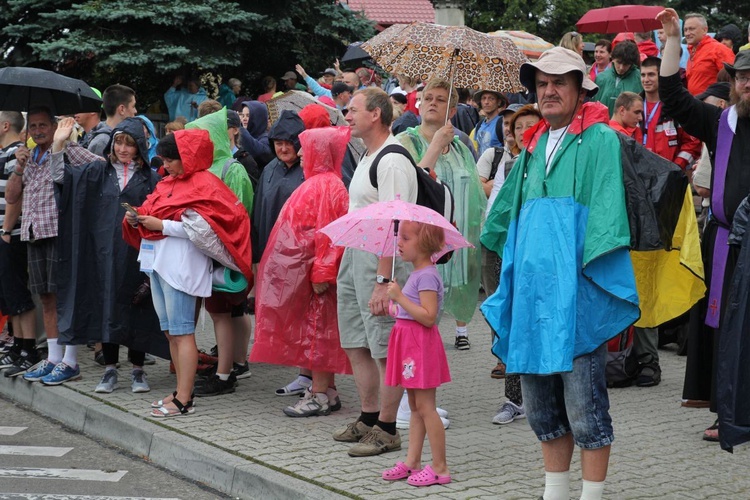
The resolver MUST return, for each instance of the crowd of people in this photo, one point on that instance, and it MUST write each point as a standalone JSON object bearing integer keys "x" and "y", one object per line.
{"x": 126, "y": 236}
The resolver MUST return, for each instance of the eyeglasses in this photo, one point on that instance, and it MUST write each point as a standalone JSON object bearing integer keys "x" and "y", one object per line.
{"x": 742, "y": 80}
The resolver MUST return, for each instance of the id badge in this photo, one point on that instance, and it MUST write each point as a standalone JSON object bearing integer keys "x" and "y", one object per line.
{"x": 146, "y": 256}
{"x": 670, "y": 130}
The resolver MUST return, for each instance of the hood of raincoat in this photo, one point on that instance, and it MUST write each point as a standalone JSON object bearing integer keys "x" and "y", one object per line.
{"x": 287, "y": 128}
{"x": 324, "y": 150}
{"x": 216, "y": 125}
{"x": 588, "y": 114}
{"x": 258, "y": 123}
{"x": 315, "y": 116}
{"x": 196, "y": 151}
{"x": 152, "y": 140}
{"x": 134, "y": 128}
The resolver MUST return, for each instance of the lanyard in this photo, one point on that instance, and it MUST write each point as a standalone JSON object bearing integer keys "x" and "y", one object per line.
{"x": 648, "y": 121}
{"x": 38, "y": 160}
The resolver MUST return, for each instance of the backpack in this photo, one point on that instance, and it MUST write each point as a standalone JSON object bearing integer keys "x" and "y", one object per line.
{"x": 496, "y": 162}
{"x": 431, "y": 193}
{"x": 622, "y": 367}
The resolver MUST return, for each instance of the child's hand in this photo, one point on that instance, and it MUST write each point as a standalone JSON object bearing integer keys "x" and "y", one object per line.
{"x": 394, "y": 291}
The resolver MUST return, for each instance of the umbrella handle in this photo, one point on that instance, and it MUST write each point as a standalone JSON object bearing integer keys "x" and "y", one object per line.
{"x": 395, "y": 245}
{"x": 450, "y": 91}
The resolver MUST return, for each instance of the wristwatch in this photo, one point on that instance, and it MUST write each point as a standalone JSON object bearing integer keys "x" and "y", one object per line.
{"x": 380, "y": 279}
{"x": 3, "y": 232}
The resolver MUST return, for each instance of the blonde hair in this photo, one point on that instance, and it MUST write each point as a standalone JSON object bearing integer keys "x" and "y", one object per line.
{"x": 123, "y": 137}
{"x": 441, "y": 83}
{"x": 430, "y": 239}
{"x": 174, "y": 126}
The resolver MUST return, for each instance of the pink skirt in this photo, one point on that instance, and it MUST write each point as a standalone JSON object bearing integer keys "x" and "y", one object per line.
{"x": 416, "y": 357}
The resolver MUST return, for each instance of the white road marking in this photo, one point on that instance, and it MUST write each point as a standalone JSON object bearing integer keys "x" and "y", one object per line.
{"x": 78, "y": 474}
{"x": 34, "y": 451}
{"x": 11, "y": 431}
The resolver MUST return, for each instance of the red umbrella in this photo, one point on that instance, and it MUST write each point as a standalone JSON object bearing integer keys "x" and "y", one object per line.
{"x": 637, "y": 18}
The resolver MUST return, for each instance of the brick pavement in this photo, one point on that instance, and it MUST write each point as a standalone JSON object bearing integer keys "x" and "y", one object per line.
{"x": 658, "y": 451}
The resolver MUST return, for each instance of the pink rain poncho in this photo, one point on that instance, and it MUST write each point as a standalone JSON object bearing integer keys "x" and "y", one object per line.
{"x": 295, "y": 326}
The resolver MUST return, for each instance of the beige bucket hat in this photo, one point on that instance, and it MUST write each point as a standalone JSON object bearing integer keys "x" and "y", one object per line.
{"x": 557, "y": 61}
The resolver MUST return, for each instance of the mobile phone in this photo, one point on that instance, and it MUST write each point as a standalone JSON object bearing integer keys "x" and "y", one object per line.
{"x": 129, "y": 208}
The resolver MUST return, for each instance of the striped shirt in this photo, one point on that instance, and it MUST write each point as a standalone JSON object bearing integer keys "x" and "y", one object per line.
{"x": 7, "y": 165}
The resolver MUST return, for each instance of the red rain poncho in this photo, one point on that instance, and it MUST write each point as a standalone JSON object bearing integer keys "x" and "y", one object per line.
{"x": 202, "y": 191}
{"x": 293, "y": 325}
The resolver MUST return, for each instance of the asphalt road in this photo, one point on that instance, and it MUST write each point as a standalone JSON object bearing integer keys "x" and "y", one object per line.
{"x": 42, "y": 460}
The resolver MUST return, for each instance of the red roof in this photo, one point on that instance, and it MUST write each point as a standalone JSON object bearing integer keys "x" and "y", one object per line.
{"x": 387, "y": 12}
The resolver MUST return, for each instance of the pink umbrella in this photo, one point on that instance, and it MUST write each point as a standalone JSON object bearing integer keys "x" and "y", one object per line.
{"x": 374, "y": 228}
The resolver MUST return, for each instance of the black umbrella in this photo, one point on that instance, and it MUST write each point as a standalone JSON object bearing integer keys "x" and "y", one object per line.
{"x": 354, "y": 55}
{"x": 24, "y": 88}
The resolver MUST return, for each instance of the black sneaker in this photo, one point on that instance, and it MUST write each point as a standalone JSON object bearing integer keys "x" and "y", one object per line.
{"x": 214, "y": 386}
{"x": 9, "y": 359}
{"x": 462, "y": 343}
{"x": 241, "y": 371}
{"x": 214, "y": 351}
{"x": 649, "y": 376}
{"x": 22, "y": 365}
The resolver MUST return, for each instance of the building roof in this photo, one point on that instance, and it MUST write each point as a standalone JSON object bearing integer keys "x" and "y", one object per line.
{"x": 387, "y": 12}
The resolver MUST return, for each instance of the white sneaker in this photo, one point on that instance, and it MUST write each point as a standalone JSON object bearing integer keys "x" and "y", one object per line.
{"x": 108, "y": 382}
{"x": 298, "y": 386}
{"x": 508, "y": 412}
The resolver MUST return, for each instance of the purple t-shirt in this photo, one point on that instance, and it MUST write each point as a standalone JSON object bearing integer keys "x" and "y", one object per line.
{"x": 427, "y": 278}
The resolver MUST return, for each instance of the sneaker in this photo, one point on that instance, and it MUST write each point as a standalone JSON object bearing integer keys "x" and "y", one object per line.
{"x": 352, "y": 433}
{"x": 297, "y": 386}
{"x": 24, "y": 362}
{"x": 311, "y": 405}
{"x": 138, "y": 382}
{"x": 149, "y": 360}
{"x": 214, "y": 386}
{"x": 375, "y": 442}
{"x": 509, "y": 412}
{"x": 36, "y": 373}
{"x": 462, "y": 343}
{"x": 241, "y": 371}
{"x": 9, "y": 359}
{"x": 214, "y": 351}
{"x": 649, "y": 376}
{"x": 108, "y": 382}
{"x": 334, "y": 402}
{"x": 5, "y": 345}
{"x": 62, "y": 373}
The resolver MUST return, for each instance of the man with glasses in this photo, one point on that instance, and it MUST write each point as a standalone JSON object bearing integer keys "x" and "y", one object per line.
{"x": 727, "y": 137}
{"x": 706, "y": 54}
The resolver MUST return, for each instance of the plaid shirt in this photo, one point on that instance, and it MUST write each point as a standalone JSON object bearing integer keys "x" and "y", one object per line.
{"x": 40, "y": 213}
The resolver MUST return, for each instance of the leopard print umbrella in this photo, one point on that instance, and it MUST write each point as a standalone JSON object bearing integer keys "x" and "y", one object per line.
{"x": 471, "y": 59}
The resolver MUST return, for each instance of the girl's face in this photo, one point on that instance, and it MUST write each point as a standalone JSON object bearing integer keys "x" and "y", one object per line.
{"x": 408, "y": 242}
{"x": 244, "y": 116}
{"x": 123, "y": 151}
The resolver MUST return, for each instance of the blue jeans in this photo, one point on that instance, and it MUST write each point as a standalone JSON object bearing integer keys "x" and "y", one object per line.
{"x": 176, "y": 309}
{"x": 574, "y": 402}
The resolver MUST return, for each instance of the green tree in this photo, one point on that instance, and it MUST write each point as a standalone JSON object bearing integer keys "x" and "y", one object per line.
{"x": 144, "y": 43}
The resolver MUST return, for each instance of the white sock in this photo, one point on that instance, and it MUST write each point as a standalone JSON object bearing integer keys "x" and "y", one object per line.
{"x": 54, "y": 351}
{"x": 557, "y": 485}
{"x": 71, "y": 356}
{"x": 322, "y": 397}
{"x": 592, "y": 490}
{"x": 460, "y": 331}
{"x": 223, "y": 376}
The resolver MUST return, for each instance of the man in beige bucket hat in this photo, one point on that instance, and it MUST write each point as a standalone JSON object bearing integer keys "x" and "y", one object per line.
{"x": 555, "y": 309}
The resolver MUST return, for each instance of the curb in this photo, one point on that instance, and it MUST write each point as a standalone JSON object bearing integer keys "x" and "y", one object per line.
{"x": 188, "y": 457}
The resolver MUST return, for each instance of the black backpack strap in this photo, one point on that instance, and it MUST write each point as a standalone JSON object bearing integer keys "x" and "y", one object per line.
{"x": 391, "y": 148}
{"x": 496, "y": 162}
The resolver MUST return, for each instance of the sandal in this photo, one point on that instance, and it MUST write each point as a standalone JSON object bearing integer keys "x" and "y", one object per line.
{"x": 399, "y": 471}
{"x": 712, "y": 433}
{"x": 180, "y": 409}
{"x": 161, "y": 402}
{"x": 427, "y": 478}
{"x": 498, "y": 371}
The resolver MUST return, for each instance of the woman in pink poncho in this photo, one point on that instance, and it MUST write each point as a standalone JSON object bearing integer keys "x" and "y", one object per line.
{"x": 295, "y": 314}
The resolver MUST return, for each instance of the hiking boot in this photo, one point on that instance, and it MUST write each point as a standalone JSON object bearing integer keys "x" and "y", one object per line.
{"x": 509, "y": 412}
{"x": 462, "y": 343}
{"x": 649, "y": 376}
{"x": 214, "y": 386}
{"x": 352, "y": 433}
{"x": 108, "y": 382}
{"x": 309, "y": 406}
{"x": 138, "y": 382}
{"x": 23, "y": 364}
{"x": 375, "y": 442}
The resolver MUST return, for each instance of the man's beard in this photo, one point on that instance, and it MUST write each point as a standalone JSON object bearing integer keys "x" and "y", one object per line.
{"x": 742, "y": 106}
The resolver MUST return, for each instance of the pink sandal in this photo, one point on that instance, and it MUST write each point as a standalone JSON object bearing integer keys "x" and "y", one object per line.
{"x": 427, "y": 478}
{"x": 399, "y": 471}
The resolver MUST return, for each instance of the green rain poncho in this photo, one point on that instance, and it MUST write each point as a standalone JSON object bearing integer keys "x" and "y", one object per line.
{"x": 458, "y": 170}
{"x": 236, "y": 177}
